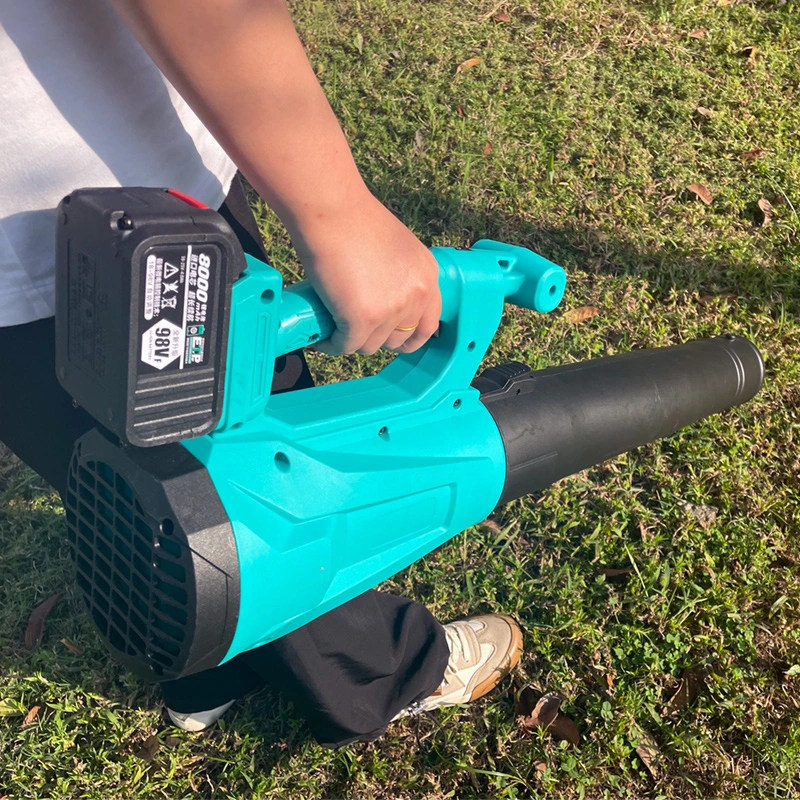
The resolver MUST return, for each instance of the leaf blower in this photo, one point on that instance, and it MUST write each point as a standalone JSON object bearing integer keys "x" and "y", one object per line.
{"x": 207, "y": 517}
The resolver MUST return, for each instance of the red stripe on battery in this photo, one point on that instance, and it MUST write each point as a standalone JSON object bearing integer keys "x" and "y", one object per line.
{"x": 186, "y": 198}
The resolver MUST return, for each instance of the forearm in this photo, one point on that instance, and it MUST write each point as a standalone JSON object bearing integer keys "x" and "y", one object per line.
{"x": 242, "y": 68}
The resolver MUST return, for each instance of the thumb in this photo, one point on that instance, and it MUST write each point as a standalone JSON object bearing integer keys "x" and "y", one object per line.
{"x": 335, "y": 346}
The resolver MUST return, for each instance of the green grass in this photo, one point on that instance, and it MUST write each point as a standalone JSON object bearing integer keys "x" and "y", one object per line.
{"x": 589, "y": 107}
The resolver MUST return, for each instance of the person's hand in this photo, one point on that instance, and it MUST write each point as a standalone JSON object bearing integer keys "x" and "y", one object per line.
{"x": 379, "y": 282}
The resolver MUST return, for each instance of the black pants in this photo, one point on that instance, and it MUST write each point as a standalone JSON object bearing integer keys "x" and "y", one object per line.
{"x": 349, "y": 671}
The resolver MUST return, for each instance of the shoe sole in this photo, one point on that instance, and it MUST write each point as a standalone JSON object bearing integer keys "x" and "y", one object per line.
{"x": 513, "y": 657}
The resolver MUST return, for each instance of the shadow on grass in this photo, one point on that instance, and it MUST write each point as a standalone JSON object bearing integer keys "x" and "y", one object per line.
{"x": 591, "y": 250}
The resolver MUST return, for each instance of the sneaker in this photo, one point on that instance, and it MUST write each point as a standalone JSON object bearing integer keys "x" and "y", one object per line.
{"x": 198, "y": 720}
{"x": 483, "y": 650}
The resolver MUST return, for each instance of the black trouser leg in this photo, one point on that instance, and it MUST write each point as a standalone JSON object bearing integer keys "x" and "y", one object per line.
{"x": 351, "y": 670}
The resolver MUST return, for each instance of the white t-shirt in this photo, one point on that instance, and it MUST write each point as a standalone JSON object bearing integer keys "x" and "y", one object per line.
{"x": 82, "y": 104}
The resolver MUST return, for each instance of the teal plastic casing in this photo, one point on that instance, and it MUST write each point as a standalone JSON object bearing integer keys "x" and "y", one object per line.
{"x": 332, "y": 489}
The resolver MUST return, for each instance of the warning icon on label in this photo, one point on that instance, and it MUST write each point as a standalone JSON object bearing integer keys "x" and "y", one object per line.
{"x": 161, "y": 344}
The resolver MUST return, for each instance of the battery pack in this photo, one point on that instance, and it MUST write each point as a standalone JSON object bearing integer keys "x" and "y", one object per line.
{"x": 143, "y": 291}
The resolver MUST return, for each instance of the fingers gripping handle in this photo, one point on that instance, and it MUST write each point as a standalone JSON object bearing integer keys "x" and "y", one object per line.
{"x": 529, "y": 281}
{"x": 268, "y": 321}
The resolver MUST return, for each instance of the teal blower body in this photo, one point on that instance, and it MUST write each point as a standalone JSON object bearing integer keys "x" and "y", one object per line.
{"x": 208, "y": 517}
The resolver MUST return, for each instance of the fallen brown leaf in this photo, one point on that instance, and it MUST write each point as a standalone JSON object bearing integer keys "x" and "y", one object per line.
{"x": 468, "y": 64}
{"x": 701, "y": 192}
{"x": 564, "y": 729}
{"x": 751, "y": 52}
{"x": 487, "y": 148}
{"x": 705, "y": 112}
{"x": 766, "y": 209}
{"x": 610, "y": 681}
{"x": 705, "y": 515}
{"x": 708, "y": 299}
{"x": 525, "y": 701}
{"x": 492, "y": 525}
{"x": 148, "y": 748}
{"x": 460, "y": 111}
{"x": 752, "y": 155}
{"x": 539, "y": 766}
{"x": 544, "y": 712}
{"x": 72, "y": 647}
{"x": 687, "y": 692}
{"x": 35, "y": 629}
{"x": 611, "y": 572}
{"x": 700, "y": 33}
{"x": 501, "y": 17}
{"x": 649, "y": 755}
{"x": 31, "y": 715}
{"x": 644, "y": 532}
{"x": 581, "y": 314}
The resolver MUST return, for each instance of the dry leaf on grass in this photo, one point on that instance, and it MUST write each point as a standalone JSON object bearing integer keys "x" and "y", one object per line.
{"x": 751, "y": 52}
{"x": 544, "y": 712}
{"x": 564, "y": 729}
{"x": 492, "y": 525}
{"x": 649, "y": 755}
{"x": 644, "y": 532}
{"x": 581, "y": 314}
{"x": 468, "y": 64}
{"x": 148, "y": 748}
{"x": 31, "y": 715}
{"x": 705, "y": 112}
{"x": 708, "y": 299}
{"x": 544, "y": 715}
{"x": 35, "y": 629}
{"x": 700, "y": 33}
{"x": 501, "y": 17}
{"x": 705, "y": 515}
{"x": 611, "y": 572}
{"x": 701, "y": 192}
{"x": 766, "y": 209}
{"x": 752, "y": 155}
{"x": 72, "y": 647}
{"x": 687, "y": 692}
{"x": 460, "y": 111}
{"x": 487, "y": 148}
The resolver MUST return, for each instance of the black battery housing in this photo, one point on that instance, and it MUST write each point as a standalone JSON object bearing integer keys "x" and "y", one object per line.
{"x": 143, "y": 292}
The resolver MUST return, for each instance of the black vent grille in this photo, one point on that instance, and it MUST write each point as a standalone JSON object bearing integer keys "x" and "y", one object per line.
{"x": 132, "y": 571}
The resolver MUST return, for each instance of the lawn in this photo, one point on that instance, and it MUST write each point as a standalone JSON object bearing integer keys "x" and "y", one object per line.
{"x": 576, "y": 133}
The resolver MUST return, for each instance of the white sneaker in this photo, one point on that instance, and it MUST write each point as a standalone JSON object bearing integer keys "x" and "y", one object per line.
{"x": 483, "y": 650}
{"x": 198, "y": 720}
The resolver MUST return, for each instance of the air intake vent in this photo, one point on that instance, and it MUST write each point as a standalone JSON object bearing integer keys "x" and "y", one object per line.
{"x": 132, "y": 570}
{"x": 155, "y": 556}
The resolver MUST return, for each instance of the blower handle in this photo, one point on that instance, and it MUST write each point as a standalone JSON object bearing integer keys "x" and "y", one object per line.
{"x": 530, "y": 281}
{"x": 268, "y": 321}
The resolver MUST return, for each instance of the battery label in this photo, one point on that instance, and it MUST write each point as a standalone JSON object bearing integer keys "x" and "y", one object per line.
{"x": 178, "y": 297}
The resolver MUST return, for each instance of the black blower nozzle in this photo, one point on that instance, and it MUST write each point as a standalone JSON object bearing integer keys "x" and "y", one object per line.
{"x": 559, "y": 421}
